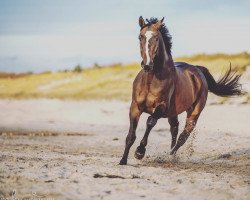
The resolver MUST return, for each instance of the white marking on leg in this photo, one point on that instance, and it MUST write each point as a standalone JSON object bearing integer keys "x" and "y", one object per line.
{"x": 148, "y": 35}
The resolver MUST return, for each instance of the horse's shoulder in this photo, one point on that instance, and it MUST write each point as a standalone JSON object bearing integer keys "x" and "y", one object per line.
{"x": 138, "y": 76}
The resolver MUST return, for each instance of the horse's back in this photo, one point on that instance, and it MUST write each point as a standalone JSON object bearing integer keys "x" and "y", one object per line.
{"x": 189, "y": 69}
{"x": 180, "y": 64}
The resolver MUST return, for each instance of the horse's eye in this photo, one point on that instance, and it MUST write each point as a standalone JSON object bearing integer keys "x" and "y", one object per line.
{"x": 156, "y": 38}
{"x": 140, "y": 38}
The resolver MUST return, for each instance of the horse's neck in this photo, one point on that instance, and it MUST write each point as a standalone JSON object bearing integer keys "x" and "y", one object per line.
{"x": 164, "y": 61}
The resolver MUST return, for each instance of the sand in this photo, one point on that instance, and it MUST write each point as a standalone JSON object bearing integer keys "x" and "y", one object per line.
{"x": 54, "y": 149}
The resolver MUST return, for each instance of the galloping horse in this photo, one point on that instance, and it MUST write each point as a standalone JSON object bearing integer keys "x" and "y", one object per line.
{"x": 164, "y": 88}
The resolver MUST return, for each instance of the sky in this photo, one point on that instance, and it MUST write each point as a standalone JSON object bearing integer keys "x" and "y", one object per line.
{"x": 41, "y": 35}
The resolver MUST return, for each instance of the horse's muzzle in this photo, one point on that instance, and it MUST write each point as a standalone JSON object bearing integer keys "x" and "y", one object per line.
{"x": 148, "y": 67}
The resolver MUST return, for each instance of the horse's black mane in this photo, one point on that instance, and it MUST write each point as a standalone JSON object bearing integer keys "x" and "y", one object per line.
{"x": 164, "y": 32}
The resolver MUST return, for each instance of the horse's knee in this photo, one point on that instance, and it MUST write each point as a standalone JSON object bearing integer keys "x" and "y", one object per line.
{"x": 151, "y": 122}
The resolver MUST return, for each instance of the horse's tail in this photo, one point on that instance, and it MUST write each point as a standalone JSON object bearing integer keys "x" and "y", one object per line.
{"x": 227, "y": 85}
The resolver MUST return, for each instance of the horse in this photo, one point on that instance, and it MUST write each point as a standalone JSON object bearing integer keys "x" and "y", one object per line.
{"x": 164, "y": 88}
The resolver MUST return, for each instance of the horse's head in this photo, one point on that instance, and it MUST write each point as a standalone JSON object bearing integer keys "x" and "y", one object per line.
{"x": 149, "y": 42}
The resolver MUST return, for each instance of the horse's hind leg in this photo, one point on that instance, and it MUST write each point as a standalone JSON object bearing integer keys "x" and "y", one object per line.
{"x": 190, "y": 124}
{"x": 174, "y": 125}
{"x": 193, "y": 114}
{"x": 151, "y": 122}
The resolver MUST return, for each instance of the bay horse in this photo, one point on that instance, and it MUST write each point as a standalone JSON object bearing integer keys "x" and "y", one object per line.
{"x": 164, "y": 88}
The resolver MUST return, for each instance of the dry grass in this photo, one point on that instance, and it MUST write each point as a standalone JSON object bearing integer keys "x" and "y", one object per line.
{"x": 219, "y": 62}
{"x": 113, "y": 82}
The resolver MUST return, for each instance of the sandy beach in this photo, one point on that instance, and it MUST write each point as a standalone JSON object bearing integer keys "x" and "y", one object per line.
{"x": 55, "y": 149}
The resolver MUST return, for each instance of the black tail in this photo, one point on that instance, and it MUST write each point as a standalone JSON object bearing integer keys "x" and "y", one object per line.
{"x": 227, "y": 85}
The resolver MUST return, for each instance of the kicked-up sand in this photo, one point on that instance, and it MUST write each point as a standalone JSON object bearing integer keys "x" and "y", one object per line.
{"x": 54, "y": 149}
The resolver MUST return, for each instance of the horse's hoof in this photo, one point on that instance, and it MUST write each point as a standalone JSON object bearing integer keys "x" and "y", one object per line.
{"x": 123, "y": 162}
{"x": 140, "y": 152}
{"x": 173, "y": 152}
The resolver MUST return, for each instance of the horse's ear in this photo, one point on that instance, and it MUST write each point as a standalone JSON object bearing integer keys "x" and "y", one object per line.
{"x": 141, "y": 21}
{"x": 159, "y": 23}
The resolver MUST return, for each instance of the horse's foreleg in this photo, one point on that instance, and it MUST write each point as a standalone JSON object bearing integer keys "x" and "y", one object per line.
{"x": 174, "y": 125}
{"x": 134, "y": 116}
{"x": 140, "y": 151}
{"x": 151, "y": 122}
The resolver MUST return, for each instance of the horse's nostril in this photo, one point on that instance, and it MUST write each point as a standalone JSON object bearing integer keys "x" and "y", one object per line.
{"x": 142, "y": 65}
{"x": 148, "y": 67}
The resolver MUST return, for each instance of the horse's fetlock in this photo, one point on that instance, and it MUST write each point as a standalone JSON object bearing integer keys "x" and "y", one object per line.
{"x": 151, "y": 122}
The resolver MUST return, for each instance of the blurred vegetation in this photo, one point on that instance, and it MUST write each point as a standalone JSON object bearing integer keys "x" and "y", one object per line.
{"x": 98, "y": 82}
{"x": 219, "y": 62}
{"x": 77, "y": 68}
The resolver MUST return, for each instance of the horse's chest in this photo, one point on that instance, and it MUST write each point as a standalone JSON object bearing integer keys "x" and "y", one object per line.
{"x": 148, "y": 99}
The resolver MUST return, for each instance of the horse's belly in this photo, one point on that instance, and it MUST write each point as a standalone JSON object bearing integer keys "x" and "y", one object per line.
{"x": 183, "y": 103}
